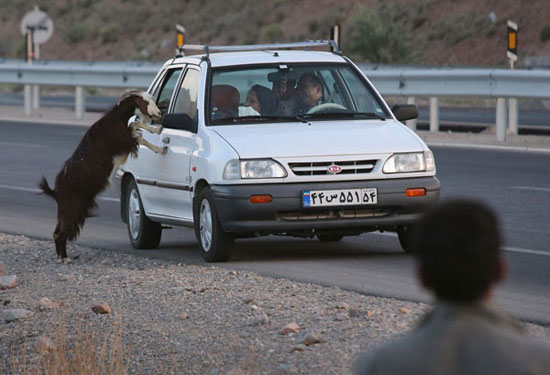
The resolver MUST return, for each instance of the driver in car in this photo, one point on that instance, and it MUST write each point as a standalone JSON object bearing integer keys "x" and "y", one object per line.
{"x": 310, "y": 92}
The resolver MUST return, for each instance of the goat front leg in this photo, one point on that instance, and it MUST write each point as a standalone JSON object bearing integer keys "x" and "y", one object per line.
{"x": 141, "y": 125}
{"x": 152, "y": 147}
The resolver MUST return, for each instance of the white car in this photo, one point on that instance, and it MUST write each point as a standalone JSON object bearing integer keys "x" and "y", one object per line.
{"x": 343, "y": 166}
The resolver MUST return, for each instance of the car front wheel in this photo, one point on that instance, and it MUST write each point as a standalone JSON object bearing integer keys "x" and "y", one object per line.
{"x": 405, "y": 239}
{"x": 143, "y": 232}
{"x": 216, "y": 245}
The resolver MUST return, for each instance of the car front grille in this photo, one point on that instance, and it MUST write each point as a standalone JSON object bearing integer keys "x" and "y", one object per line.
{"x": 322, "y": 168}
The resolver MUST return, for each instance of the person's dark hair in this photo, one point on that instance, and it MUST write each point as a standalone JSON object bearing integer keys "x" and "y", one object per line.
{"x": 267, "y": 98}
{"x": 458, "y": 248}
{"x": 315, "y": 81}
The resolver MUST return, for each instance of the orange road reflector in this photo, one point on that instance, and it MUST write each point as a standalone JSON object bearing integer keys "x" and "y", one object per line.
{"x": 266, "y": 198}
{"x": 512, "y": 40}
{"x": 416, "y": 192}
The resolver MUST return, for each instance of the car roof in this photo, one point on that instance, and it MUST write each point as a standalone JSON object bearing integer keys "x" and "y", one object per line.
{"x": 224, "y": 59}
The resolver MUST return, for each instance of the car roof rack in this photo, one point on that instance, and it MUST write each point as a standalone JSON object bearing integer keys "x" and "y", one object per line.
{"x": 203, "y": 49}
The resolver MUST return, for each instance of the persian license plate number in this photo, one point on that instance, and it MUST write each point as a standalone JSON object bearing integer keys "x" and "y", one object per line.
{"x": 341, "y": 197}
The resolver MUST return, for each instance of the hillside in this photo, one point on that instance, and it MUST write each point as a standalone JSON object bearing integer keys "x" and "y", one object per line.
{"x": 430, "y": 32}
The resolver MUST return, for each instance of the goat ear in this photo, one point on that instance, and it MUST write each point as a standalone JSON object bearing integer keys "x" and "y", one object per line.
{"x": 127, "y": 94}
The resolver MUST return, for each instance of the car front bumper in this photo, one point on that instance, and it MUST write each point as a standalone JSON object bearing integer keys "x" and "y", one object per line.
{"x": 285, "y": 214}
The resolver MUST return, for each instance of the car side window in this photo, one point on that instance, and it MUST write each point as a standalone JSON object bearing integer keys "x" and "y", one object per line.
{"x": 186, "y": 101}
{"x": 165, "y": 94}
{"x": 332, "y": 92}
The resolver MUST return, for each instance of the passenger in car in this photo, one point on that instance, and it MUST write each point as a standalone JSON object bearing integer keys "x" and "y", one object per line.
{"x": 262, "y": 100}
{"x": 309, "y": 92}
{"x": 224, "y": 102}
{"x": 285, "y": 90}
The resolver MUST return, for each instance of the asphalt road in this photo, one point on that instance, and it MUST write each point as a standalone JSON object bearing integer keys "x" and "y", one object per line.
{"x": 515, "y": 184}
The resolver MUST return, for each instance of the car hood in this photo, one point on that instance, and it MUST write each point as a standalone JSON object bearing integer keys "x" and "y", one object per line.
{"x": 319, "y": 138}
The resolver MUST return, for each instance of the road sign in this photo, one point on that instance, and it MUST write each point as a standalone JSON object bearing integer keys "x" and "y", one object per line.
{"x": 39, "y": 23}
{"x": 512, "y": 41}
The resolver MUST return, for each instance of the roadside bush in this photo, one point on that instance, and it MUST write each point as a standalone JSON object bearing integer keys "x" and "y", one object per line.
{"x": 74, "y": 33}
{"x": 109, "y": 33}
{"x": 273, "y": 33}
{"x": 371, "y": 39}
{"x": 545, "y": 33}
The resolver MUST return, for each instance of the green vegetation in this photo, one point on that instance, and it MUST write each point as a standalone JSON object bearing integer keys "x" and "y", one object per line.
{"x": 109, "y": 33}
{"x": 75, "y": 33}
{"x": 371, "y": 39}
{"x": 545, "y": 33}
{"x": 273, "y": 33}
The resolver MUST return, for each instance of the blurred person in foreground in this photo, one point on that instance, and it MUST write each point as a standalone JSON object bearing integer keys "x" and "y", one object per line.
{"x": 460, "y": 262}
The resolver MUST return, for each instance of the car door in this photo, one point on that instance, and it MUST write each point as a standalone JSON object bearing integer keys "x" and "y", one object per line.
{"x": 171, "y": 195}
{"x": 144, "y": 168}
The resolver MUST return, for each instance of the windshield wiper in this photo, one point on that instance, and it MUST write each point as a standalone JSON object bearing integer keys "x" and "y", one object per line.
{"x": 366, "y": 115}
{"x": 235, "y": 120}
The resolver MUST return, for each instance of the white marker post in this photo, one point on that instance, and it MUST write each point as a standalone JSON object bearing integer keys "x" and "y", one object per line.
{"x": 180, "y": 36}
{"x": 40, "y": 27}
{"x": 512, "y": 54}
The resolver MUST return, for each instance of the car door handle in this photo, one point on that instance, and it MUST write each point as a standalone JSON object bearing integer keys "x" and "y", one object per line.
{"x": 166, "y": 140}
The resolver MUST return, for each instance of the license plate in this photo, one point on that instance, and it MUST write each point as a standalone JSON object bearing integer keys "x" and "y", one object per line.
{"x": 341, "y": 197}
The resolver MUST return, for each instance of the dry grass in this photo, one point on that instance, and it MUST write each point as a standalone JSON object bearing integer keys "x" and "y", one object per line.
{"x": 79, "y": 353}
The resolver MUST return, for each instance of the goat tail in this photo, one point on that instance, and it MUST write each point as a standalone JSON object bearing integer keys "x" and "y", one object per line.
{"x": 43, "y": 185}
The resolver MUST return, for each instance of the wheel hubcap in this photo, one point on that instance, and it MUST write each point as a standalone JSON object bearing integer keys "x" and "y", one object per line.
{"x": 205, "y": 225}
{"x": 134, "y": 214}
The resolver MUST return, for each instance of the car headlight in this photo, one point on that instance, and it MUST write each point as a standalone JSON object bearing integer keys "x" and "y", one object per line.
{"x": 410, "y": 162}
{"x": 256, "y": 168}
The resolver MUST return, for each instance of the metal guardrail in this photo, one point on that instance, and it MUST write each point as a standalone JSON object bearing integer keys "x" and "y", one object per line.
{"x": 496, "y": 83}
{"x": 78, "y": 73}
{"x": 505, "y": 85}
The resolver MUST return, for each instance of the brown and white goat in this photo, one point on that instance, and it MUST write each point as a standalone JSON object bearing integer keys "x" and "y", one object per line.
{"x": 106, "y": 144}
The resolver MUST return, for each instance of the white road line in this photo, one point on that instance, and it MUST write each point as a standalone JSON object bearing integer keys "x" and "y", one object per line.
{"x": 526, "y": 251}
{"x": 33, "y": 190}
{"x": 20, "y": 188}
{"x": 22, "y": 144}
{"x": 532, "y": 188}
{"x": 511, "y": 249}
{"x": 487, "y": 147}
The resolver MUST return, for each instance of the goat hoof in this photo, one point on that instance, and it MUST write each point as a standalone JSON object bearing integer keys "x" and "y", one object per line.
{"x": 164, "y": 150}
{"x": 68, "y": 260}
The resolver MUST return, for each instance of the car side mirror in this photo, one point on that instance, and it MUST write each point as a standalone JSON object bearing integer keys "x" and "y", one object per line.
{"x": 405, "y": 112}
{"x": 180, "y": 121}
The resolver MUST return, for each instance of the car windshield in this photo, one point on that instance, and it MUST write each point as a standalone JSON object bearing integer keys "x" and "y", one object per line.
{"x": 290, "y": 93}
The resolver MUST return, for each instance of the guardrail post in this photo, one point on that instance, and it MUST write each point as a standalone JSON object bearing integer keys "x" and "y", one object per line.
{"x": 35, "y": 96}
{"x": 513, "y": 116}
{"x": 501, "y": 120}
{"x": 79, "y": 102}
{"x": 411, "y": 123}
{"x": 434, "y": 114}
{"x": 28, "y": 100}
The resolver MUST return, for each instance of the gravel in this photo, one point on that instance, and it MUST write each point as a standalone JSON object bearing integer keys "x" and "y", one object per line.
{"x": 179, "y": 318}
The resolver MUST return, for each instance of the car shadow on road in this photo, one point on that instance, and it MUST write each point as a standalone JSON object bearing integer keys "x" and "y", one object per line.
{"x": 280, "y": 249}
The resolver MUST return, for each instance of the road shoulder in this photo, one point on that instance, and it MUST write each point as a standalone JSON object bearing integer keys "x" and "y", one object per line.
{"x": 194, "y": 319}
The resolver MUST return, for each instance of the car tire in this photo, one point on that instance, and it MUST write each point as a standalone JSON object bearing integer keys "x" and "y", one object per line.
{"x": 405, "y": 235}
{"x": 216, "y": 245}
{"x": 143, "y": 232}
{"x": 329, "y": 237}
